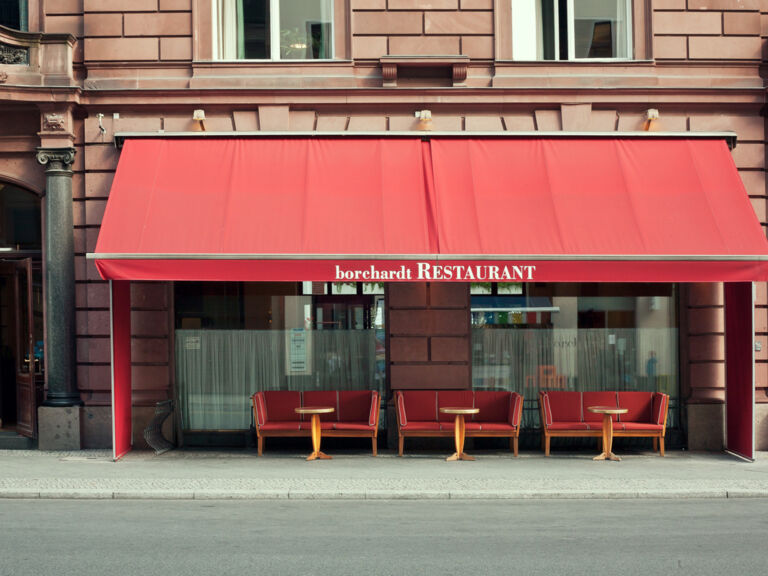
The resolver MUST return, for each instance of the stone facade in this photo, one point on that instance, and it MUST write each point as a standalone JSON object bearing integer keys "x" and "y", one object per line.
{"x": 108, "y": 66}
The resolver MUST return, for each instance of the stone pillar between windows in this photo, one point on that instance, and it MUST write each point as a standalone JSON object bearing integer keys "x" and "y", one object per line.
{"x": 59, "y": 416}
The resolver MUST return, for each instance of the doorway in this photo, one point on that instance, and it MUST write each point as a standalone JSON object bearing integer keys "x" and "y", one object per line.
{"x": 22, "y": 370}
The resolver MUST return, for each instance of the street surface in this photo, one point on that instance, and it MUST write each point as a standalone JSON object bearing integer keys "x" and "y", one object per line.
{"x": 397, "y": 537}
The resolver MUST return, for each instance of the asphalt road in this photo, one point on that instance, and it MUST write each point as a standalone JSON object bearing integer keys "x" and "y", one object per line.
{"x": 573, "y": 537}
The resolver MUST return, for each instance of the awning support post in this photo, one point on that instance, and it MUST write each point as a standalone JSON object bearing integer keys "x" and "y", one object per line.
{"x": 120, "y": 338}
{"x": 740, "y": 369}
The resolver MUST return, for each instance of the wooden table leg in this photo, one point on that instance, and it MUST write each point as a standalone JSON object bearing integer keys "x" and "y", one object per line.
{"x": 607, "y": 454}
{"x": 459, "y": 429}
{"x": 316, "y": 437}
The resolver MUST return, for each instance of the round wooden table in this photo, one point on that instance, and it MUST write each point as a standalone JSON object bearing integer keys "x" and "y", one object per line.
{"x": 458, "y": 431}
{"x": 607, "y": 411}
{"x": 315, "y": 412}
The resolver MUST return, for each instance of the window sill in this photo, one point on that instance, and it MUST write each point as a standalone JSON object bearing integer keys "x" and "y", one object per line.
{"x": 585, "y": 61}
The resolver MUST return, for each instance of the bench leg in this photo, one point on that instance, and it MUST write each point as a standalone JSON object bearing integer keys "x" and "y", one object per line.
{"x": 513, "y": 442}
{"x": 655, "y": 444}
{"x": 373, "y": 445}
{"x": 261, "y": 445}
{"x": 400, "y": 441}
{"x": 546, "y": 445}
{"x": 661, "y": 445}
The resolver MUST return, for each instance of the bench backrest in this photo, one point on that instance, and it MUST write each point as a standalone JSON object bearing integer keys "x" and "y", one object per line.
{"x": 424, "y": 405}
{"x": 568, "y": 406}
{"x": 349, "y": 405}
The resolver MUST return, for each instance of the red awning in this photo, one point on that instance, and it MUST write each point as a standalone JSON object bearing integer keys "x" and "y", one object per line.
{"x": 456, "y": 209}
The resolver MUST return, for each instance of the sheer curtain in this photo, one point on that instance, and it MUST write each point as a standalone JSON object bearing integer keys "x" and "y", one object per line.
{"x": 217, "y": 371}
{"x": 229, "y": 38}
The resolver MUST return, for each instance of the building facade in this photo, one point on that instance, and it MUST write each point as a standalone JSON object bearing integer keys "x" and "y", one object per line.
{"x": 76, "y": 73}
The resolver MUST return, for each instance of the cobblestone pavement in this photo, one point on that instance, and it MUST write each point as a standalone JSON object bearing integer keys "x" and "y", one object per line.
{"x": 226, "y": 475}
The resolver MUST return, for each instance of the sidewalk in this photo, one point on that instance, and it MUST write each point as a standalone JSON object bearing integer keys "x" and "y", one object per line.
{"x": 240, "y": 474}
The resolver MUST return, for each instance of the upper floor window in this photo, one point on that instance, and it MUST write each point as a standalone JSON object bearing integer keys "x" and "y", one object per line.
{"x": 273, "y": 29}
{"x": 571, "y": 29}
{"x": 13, "y": 14}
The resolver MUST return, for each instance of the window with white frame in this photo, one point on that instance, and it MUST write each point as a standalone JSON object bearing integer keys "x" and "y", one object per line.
{"x": 571, "y": 29}
{"x": 273, "y": 29}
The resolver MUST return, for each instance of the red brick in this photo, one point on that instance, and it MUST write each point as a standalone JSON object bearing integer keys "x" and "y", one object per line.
{"x": 94, "y": 377}
{"x": 449, "y": 295}
{"x": 483, "y": 124}
{"x": 171, "y": 24}
{"x": 97, "y": 184}
{"x": 450, "y": 322}
{"x": 724, "y": 48}
{"x": 705, "y": 294}
{"x": 64, "y": 7}
{"x": 332, "y": 123}
{"x": 458, "y": 22}
{"x": 670, "y": 47}
{"x": 64, "y": 25}
{"x": 705, "y": 320}
{"x": 175, "y": 48}
{"x": 432, "y": 376}
{"x": 96, "y": 322}
{"x": 98, "y": 295}
{"x": 669, "y": 4}
{"x": 754, "y": 181}
{"x": 387, "y": 23}
{"x": 145, "y": 323}
{"x": 742, "y": 23}
{"x": 706, "y": 348}
{"x": 409, "y": 322}
{"x": 153, "y": 350}
{"x": 408, "y": 349}
{"x": 369, "y": 46}
{"x": 367, "y": 124}
{"x": 519, "y": 123}
{"x": 746, "y": 127}
{"x": 150, "y": 377}
{"x": 94, "y": 350}
{"x": 121, "y": 49}
{"x": 761, "y": 294}
{"x": 120, "y": 5}
{"x": 175, "y": 4}
{"x": 707, "y": 375}
{"x": 274, "y": 118}
{"x": 103, "y": 25}
{"x": 423, "y": 4}
{"x": 369, "y": 4}
{"x": 423, "y": 45}
{"x": 407, "y": 294}
{"x": 449, "y": 349}
{"x": 548, "y": 120}
{"x": 723, "y": 4}
{"x": 94, "y": 212}
{"x": 480, "y": 47}
{"x": 761, "y": 320}
{"x": 687, "y": 23}
{"x": 749, "y": 155}
{"x": 759, "y": 206}
{"x": 151, "y": 295}
{"x": 477, "y": 4}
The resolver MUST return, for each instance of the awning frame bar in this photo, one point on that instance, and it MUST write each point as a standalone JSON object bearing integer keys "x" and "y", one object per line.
{"x": 438, "y": 257}
{"x": 729, "y": 137}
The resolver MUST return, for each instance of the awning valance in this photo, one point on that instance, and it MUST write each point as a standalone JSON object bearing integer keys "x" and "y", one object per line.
{"x": 442, "y": 209}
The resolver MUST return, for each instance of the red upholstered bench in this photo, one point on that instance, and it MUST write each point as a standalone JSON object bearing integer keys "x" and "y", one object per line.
{"x": 356, "y": 414}
{"x": 418, "y": 414}
{"x": 566, "y": 414}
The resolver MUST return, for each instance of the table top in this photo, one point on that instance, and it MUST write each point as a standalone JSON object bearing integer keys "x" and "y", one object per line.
{"x": 449, "y": 410}
{"x": 607, "y": 410}
{"x": 314, "y": 410}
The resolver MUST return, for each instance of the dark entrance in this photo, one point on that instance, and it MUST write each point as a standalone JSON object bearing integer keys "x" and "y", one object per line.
{"x": 21, "y": 311}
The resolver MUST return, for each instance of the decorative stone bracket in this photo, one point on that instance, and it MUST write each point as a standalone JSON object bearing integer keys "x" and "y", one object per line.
{"x": 391, "y": 66}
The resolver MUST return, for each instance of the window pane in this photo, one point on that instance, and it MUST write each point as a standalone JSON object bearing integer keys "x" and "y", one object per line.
{"x": 254, "y": 43}
{"x": 600, "y": 29}
{"x": 13, "y": 14}
{"x": 306, "y": 31}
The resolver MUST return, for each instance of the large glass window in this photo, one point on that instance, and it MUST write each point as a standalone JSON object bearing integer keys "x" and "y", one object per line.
{"x": 571, "y": 29}
{"x": 576, "y": 337}
{"x": 234, "y": 339}
{"x": 273, "y": 29}
{"x": 13, "y": 14}
{"x": 19, "y": 219}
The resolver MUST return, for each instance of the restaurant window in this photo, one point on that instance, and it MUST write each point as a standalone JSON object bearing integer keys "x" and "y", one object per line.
{"x": 237, "y": 338}
{"x": 273, "y": 29}
{"x": 14, "y": 14}
{"x": 571, "y": 29}
{"x": 581, "y": 337}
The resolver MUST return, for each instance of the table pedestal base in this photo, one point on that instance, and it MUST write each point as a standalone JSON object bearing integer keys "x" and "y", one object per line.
{"x": 605, "y": 456}
{"x": 319, "y": 455}
{"x": 457, "y": 456}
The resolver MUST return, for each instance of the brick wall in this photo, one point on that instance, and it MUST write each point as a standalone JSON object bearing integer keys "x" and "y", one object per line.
{"x": 707, "y": 29}
{"x": 422, "y": 27}
{"x": 137, "y": 30}
{"x": 429, "y": 335}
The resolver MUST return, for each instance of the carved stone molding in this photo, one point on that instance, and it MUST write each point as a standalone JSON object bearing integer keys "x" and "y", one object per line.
{"x": 54, "y": 122}
{"x": 389, "y": 71}
{"x": 3, "y": 77}
{"x": 56, "y": 160}
{"x": 459, "y": 73}
{"x": 13, "y": 55}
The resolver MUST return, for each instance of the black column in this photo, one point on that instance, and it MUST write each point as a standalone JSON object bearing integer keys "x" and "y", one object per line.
{"x": 59, "y": 266}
